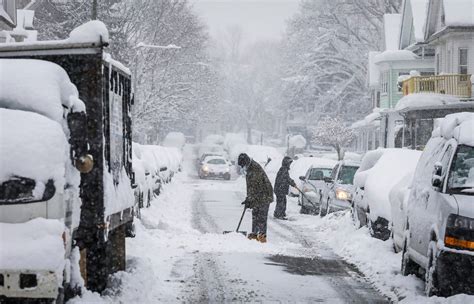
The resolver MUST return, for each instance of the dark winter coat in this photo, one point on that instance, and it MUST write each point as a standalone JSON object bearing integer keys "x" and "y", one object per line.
{"x": 259, "y": 188}
{"x": 283, "y": 179}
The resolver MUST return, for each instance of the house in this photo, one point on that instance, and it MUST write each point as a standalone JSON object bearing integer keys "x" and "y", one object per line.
{"x": 16, "y": 20}
{"x": 449, "y": 30}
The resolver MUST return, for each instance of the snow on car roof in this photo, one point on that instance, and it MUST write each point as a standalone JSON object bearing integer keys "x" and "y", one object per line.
{"x": 32, "y": 146}
{"x": 38, "y": 86}
{"x": 459, "y": 126}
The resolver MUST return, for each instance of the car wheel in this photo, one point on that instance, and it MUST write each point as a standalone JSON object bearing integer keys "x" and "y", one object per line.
{"x": 408, "y": 266}
{"x": 324, "y": 209}
{"x": 431, "y": 275}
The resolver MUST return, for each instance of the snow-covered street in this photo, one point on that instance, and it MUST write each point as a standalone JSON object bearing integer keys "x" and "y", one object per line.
{"x": 181, "y": 255}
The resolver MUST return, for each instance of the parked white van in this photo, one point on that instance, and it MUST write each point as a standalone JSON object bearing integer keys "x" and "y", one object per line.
{"x": 439, "y": 234}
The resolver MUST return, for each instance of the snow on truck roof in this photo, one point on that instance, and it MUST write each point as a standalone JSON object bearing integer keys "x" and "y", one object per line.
{"x": 459, "y": 126}
{"x": 37, "y": 86}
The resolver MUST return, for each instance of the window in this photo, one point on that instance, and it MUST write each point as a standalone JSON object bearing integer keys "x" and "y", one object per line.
{"x": 346, "y": 175}
{"x": 216, "y": 161}
{"x": 319, "y": 173}
{"x": 438, "y": 64}
{"x": 463, "y": 60}
{"x": 384, "y": 83}
{"x": 461, "y": 175}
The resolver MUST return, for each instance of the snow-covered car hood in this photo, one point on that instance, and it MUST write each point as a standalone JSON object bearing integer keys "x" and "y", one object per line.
{"x": 34, "y": 245}
{"x": 465, "y": 204}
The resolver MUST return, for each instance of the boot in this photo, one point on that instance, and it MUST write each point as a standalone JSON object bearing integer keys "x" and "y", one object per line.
{"x": 252, "y": 236}
{"x": 262, "y": 238}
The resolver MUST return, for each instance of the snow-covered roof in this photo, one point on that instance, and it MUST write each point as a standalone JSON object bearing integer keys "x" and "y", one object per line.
{"x": 391, "y": 24}
{"x": 459, "y": 126}
{"x": 32, "y": 146}
{"x": 374, "y": 72}
{"x": 419, "y": 10}
{"x": 459, "y": 12}
{"x": 423, "y": 100}
{"x": 398, "y": 55}
{"x": 37, "y": 86}
{"x": 368, "y": 120}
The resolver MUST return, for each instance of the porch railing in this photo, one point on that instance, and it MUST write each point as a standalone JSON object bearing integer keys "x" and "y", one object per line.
{"x": 458, "y": 85}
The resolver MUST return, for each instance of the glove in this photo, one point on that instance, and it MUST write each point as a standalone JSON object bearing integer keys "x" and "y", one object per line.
{"x": 246, "y": 203}
{"x": 292, "y": 183}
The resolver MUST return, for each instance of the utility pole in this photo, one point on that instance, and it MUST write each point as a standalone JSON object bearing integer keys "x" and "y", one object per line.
{"x": 94, "y": 9}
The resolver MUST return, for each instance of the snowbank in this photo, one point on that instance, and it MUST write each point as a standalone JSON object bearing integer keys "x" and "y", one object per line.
{"x": 37, "y": 86}
{"x": 213, "y": 139}
{"x": 422, "y": 100}
{"x": 32, "y": 146}
{"x": 261, "y": 154}
{"x": 174, "y": 139}
{"x": 41, "y": 246}
{"x": 392, "y": 166}
{"x": 233, "y": 139}
{"x": 297, "y": 141}
{"x": 93, "y": 31}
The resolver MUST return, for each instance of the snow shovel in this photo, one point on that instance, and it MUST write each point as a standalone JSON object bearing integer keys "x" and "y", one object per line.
{"x": 307, "y": 198}
{"x": 238, "y": 226}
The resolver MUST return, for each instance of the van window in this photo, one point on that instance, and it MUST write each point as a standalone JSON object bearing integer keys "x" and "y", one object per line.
{"x": 461, "y": 175}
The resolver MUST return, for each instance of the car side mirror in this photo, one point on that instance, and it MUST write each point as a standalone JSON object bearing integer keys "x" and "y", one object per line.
{"x": 302, "y": 178}
{"x": 327, "y": 180}
{"x": 436, "y": 181}
{"x": 162, "y": 169}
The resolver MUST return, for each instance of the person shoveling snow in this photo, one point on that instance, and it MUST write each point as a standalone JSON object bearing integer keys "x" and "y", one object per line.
{"x": 259, "y": 196}
{"x": 282, "y": 185}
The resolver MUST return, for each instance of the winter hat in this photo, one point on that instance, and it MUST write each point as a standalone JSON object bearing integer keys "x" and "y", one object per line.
{"x": 286, "y": 162}
{"x": 244, "y": 160}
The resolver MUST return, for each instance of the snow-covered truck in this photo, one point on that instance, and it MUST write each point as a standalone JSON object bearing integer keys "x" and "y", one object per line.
{"x": 66, "y": 180}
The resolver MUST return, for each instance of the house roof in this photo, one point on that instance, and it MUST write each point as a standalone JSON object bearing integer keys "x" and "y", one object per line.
{"x": 392, "y": 31}
{"x": 459, "y": 12}
{"x": 448, "y": 14}
{"x": 414, "y": 14}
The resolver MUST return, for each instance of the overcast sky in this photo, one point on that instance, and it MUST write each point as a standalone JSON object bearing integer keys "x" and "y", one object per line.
{"x": 259, "y": 19}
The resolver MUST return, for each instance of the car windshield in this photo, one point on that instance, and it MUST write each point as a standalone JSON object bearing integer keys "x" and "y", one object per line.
{"x": 461, "y": 175}
{"x": 216, "y": 161}
{"x": 346, "y": 175}
{"x": 20, "y": 190}
{"x": 319, "y": 173}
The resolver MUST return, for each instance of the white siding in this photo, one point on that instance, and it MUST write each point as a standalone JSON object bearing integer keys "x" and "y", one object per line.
{"x": 451, "y": 46}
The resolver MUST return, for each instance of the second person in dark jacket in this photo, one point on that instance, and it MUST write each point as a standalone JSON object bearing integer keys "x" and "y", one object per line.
{"x": 282, "y": 185}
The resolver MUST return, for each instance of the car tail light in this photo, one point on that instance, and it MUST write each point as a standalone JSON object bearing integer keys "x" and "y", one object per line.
{"x": 459, "y": 232}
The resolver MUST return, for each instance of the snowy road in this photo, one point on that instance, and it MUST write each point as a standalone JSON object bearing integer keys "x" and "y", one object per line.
{"x": 304, "y": 271}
